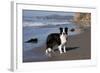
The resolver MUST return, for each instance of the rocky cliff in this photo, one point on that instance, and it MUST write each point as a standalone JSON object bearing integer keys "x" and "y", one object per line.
{"x": 82, "y": 19}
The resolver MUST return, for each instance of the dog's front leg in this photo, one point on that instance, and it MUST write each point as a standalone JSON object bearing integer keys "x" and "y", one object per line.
{"x": 60, "y": 49}
{"x": 64, "y": 47}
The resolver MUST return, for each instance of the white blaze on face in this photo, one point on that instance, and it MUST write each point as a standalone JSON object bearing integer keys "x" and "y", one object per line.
{"x": 63, "y": 37}
{"x": 63, "y": 31}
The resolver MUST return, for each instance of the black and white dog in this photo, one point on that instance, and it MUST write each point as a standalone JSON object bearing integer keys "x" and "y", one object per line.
{"x": 58, "y": 39}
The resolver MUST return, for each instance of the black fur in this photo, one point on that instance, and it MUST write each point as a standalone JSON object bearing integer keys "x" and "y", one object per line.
{"x": 66, "y": 30}
{"x": 61, "y": 30}
{"x": 54, "y": 38}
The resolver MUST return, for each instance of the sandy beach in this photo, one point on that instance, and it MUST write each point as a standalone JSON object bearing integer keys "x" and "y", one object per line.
{"x": 78, "y": 47}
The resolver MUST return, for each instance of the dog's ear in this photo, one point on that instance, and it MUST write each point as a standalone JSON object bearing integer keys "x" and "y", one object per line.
{"x": 61, "y": 30}
{"x": 66, "y": 30}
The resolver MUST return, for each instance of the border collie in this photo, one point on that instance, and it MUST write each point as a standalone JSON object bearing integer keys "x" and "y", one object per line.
{"x": 58, "y": 39}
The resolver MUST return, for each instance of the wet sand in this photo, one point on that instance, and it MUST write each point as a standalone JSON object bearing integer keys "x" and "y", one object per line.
{"x": 78, "y": 47}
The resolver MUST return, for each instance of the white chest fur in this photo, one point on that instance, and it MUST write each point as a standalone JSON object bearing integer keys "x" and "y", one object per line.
{"x": 63, "y": 39}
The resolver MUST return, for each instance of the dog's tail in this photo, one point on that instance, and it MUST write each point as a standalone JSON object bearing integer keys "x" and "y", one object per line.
{"x": 35, "y": 40}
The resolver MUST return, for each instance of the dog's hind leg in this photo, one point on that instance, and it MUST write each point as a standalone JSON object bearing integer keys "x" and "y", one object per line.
{"x": 48, "y": 50}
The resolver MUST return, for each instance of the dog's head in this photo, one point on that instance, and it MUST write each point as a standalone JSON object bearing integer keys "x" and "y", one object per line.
{"x": 64, "y": 31}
